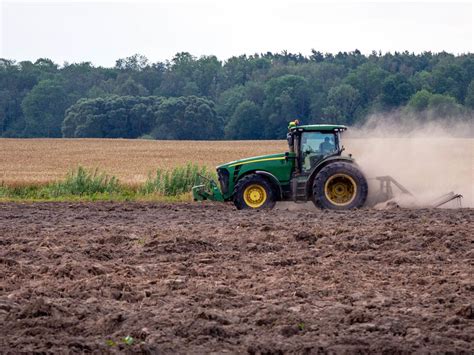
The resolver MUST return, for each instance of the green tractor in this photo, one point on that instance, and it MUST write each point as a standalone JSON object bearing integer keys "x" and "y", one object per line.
{"x": 313, "y": 169}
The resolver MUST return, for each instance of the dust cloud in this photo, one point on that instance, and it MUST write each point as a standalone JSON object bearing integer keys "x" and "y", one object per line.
{"x": 429, "y": 158}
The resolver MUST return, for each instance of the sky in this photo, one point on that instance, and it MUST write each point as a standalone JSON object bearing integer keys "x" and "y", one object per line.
{"x": 103, "y": 31}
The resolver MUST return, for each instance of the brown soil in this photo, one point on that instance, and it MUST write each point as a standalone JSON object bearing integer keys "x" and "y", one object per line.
{"x": 195, "y": 278}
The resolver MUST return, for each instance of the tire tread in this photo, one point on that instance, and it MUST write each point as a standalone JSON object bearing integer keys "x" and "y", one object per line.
{"x": 319, "y": 198}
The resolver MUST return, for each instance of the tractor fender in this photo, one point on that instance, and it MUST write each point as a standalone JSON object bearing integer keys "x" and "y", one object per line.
{"x": 273, "y": 180}
{"x": 319, "y": 166}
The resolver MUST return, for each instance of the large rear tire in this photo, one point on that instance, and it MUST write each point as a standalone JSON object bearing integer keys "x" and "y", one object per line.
{"x": 340, "y": 186}
{"x": 254, "y": 192}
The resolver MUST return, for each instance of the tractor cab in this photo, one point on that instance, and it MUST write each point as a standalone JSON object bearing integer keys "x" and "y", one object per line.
{"x": 313, "y": 143}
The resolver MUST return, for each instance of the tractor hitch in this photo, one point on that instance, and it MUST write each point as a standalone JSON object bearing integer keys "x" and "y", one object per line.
{"x": 207, "y": 190}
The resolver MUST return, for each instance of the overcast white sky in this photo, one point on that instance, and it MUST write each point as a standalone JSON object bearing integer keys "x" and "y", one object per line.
{"x": 103, "y": 31}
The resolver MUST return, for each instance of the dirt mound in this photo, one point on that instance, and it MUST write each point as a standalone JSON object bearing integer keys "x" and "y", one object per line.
{"x": 197, "y": 278}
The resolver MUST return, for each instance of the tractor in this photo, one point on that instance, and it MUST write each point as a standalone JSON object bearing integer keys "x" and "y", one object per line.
{"x": 313, "y": 169}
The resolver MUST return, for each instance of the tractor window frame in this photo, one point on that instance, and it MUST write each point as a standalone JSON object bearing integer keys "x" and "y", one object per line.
{"x": 311, "y": 157}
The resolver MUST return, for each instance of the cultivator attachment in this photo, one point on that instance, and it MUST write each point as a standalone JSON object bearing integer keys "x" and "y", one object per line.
{"x": 386, "y": 194}
{"x": 450, "y": 196}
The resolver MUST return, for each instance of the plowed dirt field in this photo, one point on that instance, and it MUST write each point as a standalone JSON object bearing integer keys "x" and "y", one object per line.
{"x": 199, "y": 278}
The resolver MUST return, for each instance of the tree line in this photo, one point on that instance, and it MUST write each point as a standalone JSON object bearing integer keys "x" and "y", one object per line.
{"x": 244, "y": 97}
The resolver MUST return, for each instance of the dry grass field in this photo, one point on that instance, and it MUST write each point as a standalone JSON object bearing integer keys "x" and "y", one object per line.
{"x": 26, "y": 161}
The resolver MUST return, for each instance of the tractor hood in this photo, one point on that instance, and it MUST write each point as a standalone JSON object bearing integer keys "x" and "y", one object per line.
{"x": 257, "y": 159}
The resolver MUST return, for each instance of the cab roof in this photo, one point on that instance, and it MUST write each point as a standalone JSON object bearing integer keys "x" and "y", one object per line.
{"x": 320, "y": 127}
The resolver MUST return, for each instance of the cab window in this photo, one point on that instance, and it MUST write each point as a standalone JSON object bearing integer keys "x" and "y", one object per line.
{"x": 315, "y": 146}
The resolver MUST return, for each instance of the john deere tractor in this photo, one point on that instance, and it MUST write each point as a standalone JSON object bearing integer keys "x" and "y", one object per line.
{"x": 313, "y": 169}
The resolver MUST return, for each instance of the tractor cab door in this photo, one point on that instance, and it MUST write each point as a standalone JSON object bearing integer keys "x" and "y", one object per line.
{"x": 314, "y": 147}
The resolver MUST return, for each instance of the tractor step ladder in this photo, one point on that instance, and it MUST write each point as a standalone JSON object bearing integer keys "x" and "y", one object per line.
{"x": 298, "y": 188}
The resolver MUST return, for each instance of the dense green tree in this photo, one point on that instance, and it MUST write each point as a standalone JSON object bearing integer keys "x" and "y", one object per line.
{"x": 136, "y": 62}
{"x": 420, "y": 101}
{"x": 16, "y": 81}
{"x": 343, "y": 102}
{"x": 79, "y": 78}
{"x": 4, "y": 100}
{"x": 445, "y": 106}
{"x": 46, "y": 65}
{"x": 422, "y": 80}
{"x": 321, "y": 76}
{"x": 450, "y": 79}
{"x": 396, "y": 90}
{"x": 255, "y": 92}
{"x": 237, "y": 71}
{"x": 111, "y": 117}
{"x": 206, "y": 75}
{"x": 245, "y": 123}
{"x": 85, "y": 119}
{"x": 316, "y": 56}
{"x": 368, "y": 80}
{"x": 469, "y": 101}
{"x": 229, "y": 100}
{"x": 179, "y": 75}
{"x": 341, "y": 87}
{"x": 151, "y": 77}
{"x": 286, "y": 99}
{"x": 96, "y": 91}
{"x": 434, "y": 105}
{"x": 44, "y": 108}
{"x": 132, "y": 88}
{"x": 187, "y": 118}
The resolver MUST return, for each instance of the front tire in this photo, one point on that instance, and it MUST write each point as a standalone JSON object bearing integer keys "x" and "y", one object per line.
{"x": 340, "y": 186}
{"x": 254, "y": 192}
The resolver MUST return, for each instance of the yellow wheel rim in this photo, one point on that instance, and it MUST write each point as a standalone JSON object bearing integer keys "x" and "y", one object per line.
{"x": 340, "y": 189}
{"x": 255, "y": 195}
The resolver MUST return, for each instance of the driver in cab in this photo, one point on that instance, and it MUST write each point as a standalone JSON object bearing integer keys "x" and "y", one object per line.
{"x": 326, "y": 146}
